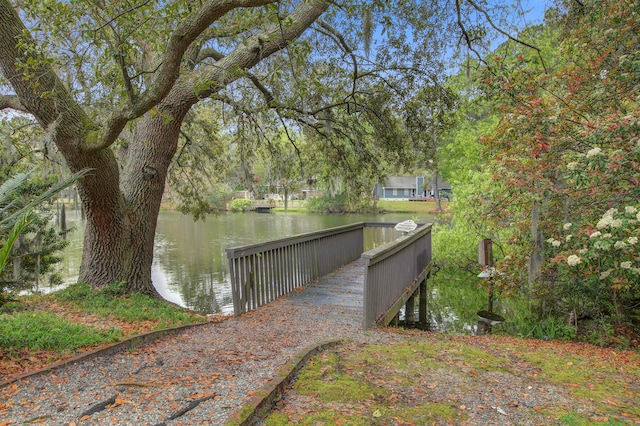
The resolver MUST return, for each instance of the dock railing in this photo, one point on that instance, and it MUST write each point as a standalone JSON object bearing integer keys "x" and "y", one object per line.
{"x": 260, "y": 273}
{"x": 393, "y": 273}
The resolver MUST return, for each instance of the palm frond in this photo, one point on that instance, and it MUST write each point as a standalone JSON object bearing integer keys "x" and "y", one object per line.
{"x": 16, "y": 230}
{"x": 49, "y": 193}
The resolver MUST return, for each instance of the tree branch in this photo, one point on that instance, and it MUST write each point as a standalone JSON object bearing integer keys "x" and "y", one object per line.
{"x": 37, "y": 87}
{"x": 506, "y": 34}
{"x": 11, "y": 102}
{"x": 333, "y": 33}
{"x": 180, "y": 40}
{"x": 253, "y": 50}
{"x": 465, "y": 34}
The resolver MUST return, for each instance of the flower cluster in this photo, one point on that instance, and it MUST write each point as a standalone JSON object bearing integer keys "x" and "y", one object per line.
{"x": 609, "y": 250}
{"x": 593, "y": 152}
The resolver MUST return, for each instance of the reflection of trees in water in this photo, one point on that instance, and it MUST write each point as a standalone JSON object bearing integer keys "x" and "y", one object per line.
{"x": 201, "y": 278}
{"x": 453, "y": 300}
{"x": 204, "y": 292}
{"x": 192, "y": 255}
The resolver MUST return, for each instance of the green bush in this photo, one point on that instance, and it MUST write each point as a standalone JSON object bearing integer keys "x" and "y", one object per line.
{"x": 240, "y": 205}
{"x": 327, "y": 204}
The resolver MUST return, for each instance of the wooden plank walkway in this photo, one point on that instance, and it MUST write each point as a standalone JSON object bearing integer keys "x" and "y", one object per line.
{"x": 341, "y": 291}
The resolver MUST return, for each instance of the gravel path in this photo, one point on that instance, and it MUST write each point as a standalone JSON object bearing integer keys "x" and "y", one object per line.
{"x": 204, "y": 375}
{"x": 201, "y": 376}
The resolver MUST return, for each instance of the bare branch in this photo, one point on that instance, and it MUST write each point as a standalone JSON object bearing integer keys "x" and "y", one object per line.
{"x": 506, "y": 34}
{"x": 333, "y": 33}
{"x": 465, "y": 34}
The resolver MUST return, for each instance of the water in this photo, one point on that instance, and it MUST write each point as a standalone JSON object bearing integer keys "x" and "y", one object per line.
{"x": 190, "y": 266}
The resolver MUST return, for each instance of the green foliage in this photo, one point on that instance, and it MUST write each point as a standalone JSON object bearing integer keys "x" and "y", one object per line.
{"x": 557, "y": 141}
{"x": 5, "y": 253}
{"x": 240, "y": 205}
{"x": 220, "y": 197}
{"x": 26, "y": 234}
{"x": 550, "y": 329}
{"x": 43, "y": 330}
{"x": 327, "y": 204}
{"x": 199, "y": 173}
{"x": 602, "y": 258}
{"x": 110, "y": 301}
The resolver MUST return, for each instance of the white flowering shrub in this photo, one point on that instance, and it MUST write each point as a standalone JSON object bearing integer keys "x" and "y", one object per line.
{"x": 604, "y": 254}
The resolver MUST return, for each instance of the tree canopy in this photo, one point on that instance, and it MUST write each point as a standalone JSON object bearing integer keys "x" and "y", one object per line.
{"x": 561, "y": 164}
{"x": 121, "y": 88}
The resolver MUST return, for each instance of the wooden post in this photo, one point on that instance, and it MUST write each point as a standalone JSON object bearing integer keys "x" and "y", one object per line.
{"x": 422, "y": 304}
{"x": 485, "y": 258}
{"x": 396, "y": 320}
{"x": 63, "y": 221}
{"x": 410, "y": 308}
{"x": 76, "y": 205}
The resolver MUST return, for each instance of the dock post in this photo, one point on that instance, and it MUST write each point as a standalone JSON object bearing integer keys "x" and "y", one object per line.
{"x": 422, "y": 304}
{"x": 410, "y": 308}
{"x": 396, "y": 320}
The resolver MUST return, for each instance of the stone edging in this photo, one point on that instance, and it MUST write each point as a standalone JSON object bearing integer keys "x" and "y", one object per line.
{"x": 131, "y": 342}
{"x": 260, "y": 404}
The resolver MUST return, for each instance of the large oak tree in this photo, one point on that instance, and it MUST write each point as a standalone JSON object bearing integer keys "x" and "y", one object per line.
{"x": 112, "y": 82}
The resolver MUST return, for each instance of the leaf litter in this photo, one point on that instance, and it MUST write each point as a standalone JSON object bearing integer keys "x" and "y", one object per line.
{"x": 207, "y": 373}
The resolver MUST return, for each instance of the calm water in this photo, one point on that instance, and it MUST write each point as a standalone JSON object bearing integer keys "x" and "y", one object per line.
{"x": 190, "y": 264}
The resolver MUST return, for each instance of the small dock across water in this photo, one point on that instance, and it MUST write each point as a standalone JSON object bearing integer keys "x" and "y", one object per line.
{"x": 335, "y": 269}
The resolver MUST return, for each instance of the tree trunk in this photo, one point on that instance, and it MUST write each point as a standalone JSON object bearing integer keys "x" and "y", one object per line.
{"x": 436, "y": 191}
{"x": 119, "y": 236}
{"x": 286, "y": 197}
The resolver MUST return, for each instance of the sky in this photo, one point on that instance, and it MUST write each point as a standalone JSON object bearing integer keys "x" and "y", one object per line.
{"x": 534, "y": 10}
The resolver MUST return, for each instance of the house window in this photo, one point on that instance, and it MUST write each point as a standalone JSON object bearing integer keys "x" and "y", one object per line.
{"x": 395, "y": 192}
{"x": 406, "y": 192}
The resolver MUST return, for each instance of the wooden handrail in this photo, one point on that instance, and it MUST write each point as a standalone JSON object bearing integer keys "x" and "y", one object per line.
{"x": 263, "y": 272}
{"x": 393, "y": 273}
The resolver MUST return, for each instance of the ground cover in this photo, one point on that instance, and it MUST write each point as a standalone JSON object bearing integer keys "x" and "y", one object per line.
{"x": 426, "y": 378}
{"x": 38, "y": 330}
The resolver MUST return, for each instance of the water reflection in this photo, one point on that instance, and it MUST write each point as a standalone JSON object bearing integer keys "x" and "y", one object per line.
{"x": 190, "y": 264}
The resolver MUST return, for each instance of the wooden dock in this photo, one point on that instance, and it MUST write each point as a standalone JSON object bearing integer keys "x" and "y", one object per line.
{"x": 331, "y": 267}
{"x": 263, "y": 209}
{"x": 341, "y": 289}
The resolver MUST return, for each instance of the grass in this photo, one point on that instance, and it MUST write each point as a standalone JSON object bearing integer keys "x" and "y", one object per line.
{"x": 416, "y": 207}
{"x": 436, "y": 379}
{"x": 328, "y": 380}
{"x": 46, "y": 331}
{"x": 404, "y": 207}
{"x": 109, "y": 302}
{"x": 40, "y": 329}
